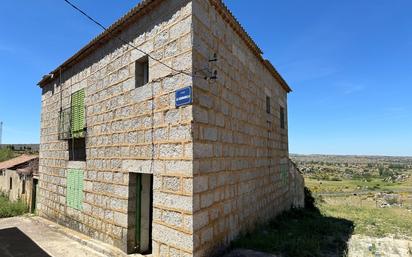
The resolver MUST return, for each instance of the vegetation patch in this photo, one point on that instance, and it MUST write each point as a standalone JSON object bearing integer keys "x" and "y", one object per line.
{"x": 369, "y": 219}
{"x": 6, "y": 154}
{"x": 11, "y": 209}
{"x": 300, "y": 233}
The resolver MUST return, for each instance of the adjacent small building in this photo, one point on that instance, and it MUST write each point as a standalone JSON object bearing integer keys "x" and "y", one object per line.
{"x": 166, "y": 134}
{"x": 18, "y": 179}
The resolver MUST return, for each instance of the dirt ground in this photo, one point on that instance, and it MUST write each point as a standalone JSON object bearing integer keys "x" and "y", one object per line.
{"x": 383, "y": 247}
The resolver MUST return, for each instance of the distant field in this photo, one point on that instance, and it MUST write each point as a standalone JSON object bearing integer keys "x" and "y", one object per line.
{"x": 348, "y": 185}
{"x": 369, "y": 219}
{"x": 367, "y": 196}
{"x": 373, "y": 192}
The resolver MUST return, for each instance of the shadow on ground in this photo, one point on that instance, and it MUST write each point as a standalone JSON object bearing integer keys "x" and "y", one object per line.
{"x": 300, "y": 233}
{"x": 14, "y": 243}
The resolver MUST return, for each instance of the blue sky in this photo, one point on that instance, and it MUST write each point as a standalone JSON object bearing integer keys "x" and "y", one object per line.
{"x": 348, "y": 62}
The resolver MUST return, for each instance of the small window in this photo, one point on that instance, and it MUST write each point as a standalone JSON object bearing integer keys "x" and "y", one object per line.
{"x": 11, "y": 184}
{"x": 23, "y": 187}
{"x": 142, "y": 72}
{"x": 267, "y": 104}
{"x": 282, "y": 117}
{"x": 77, "y": 140}
{"x": 77, "y": 149}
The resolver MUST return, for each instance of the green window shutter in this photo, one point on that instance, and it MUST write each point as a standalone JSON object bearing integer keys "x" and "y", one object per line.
{"x": 70, "y": 188}
{"x": 80, "y": 177}
{"x": 74, "y": 196}
{"x": 78, "y": 114}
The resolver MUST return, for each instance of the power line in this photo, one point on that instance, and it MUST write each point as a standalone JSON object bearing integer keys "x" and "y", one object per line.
{"x": 124, "y": 41}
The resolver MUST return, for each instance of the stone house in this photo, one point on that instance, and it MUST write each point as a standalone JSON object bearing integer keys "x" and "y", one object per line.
{"x": 18, "y": 178}
{"x": 166, "y": 134}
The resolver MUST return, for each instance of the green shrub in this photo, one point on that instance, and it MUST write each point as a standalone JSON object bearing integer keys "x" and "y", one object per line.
{"x": 11, "y": 209}
{"x": 6, "y": 154}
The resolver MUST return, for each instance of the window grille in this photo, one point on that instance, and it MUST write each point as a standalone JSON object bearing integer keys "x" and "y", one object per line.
{"x": 64, "y": 124}
{"x": 72, "y": 120}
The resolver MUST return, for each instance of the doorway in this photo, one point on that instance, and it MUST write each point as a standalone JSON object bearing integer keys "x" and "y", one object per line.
{"x": 140, "y": 212}
{"x": 34, "y": 195}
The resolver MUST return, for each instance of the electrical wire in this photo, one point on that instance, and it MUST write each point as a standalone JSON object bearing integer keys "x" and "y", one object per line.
{"x": 124, "y": 41}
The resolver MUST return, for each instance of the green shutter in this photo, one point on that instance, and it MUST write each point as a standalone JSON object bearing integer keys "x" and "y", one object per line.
{"x": 74, "y": 195}
{"x": 78, "y": 114}
{"x": 70, "y": 188}
{"x": 68, "y": 200}
{"x": 80, "y": 177}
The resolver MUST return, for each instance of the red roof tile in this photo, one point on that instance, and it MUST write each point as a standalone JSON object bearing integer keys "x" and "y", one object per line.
{"x": 17, "y": 161}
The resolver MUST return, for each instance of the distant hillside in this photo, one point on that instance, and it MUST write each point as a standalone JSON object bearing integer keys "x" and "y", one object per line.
{"x": 8, "y": 152}
{"x": 21, "y": 147}
{"x": 352, "y": 158}
{"x": 367, "y": 168}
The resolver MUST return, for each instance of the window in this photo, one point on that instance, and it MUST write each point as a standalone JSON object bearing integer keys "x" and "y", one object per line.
{"x": 77, "y": 149}
{"x": 23, "y": 187}
{"x": 77, "y": 114}
{"x": 64, "y": 124}
{"x": 74, "y": 190}
{"x": 72, "y": 120}
{"x": 77, "y": 140}
{"x": 282, "y": 117}
{"x": 267, "y": 104}
{"x": 142, "y": 72}
{"x": 11, "y": 184}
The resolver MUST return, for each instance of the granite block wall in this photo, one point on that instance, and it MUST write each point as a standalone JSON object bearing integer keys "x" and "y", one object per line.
{"x": 240, "y": 152}
{"x": 129, "y": 130}
{"x": 219, "y": 165}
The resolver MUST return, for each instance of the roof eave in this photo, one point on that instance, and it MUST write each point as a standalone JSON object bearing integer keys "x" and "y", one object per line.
{"x": 228, "y": 16}
{"x": 142, "y": 8}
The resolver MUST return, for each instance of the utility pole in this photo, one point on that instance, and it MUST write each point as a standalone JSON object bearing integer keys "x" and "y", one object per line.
{"x": 1, "y": 131}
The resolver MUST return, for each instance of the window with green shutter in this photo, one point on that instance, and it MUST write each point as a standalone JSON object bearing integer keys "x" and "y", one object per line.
{"x": 74, "y": 191}
{"x": 64, "y": 124}
{"x": 77, "y": 114}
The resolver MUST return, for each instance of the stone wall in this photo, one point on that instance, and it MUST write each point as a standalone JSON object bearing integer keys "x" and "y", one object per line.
{"x": 219, "y": 166}
{"x": 16, "y": 193}
{"x": 128, "y": 130}
{"x": 239, "y": 149}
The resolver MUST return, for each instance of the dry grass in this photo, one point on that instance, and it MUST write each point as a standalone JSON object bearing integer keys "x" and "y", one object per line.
{"x": 369, "y": 219}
